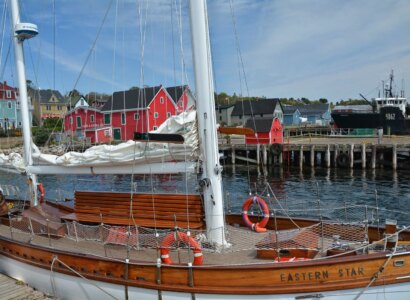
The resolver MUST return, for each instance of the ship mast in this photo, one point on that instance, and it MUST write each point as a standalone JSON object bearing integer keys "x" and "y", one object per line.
{"x": 24, "y": 31}
{"x": 211, "y": 180}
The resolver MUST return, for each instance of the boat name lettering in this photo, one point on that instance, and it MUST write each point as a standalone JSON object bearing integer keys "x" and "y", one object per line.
{"x": 320, "y": 275}
{"x": 350, "y": 272}
{"x": 300, "y": 276}
{"x": 390, "y": 116}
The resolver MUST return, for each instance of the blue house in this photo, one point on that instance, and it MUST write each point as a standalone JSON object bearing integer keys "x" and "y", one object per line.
{"x": 318, "y": 114}
{"x": 10, "y": 110}
{"x": 291, "y": 115}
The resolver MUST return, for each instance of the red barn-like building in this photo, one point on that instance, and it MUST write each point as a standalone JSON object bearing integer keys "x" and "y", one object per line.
{"x": 141, "y": 110}
{"x": 267, "y": 131}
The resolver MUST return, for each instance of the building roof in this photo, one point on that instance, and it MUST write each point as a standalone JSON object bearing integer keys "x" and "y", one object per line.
{"x": 260, "y": 124}
{"x": 4, "y": 86}
{"x": 225, "y": 106}
{"x": 131, "y": 99}
{"x": 72, "y": 101}
{"x": 45, "y": 95}
{"x": 289, "y": 109}
{"x": 314, "y": 109}
{"x": 176, "y": 92}
{"x": 255, "y": 107}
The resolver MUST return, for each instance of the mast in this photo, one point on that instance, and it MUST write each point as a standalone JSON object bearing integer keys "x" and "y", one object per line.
{"x": 211, "y": 180}
{"x": 23, "y": 31}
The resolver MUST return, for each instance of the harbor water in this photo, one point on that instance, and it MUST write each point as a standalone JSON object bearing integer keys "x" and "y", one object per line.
{"x": 313, "y": 190}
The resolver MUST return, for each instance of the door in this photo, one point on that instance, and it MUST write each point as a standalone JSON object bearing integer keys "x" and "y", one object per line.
{"x": 117, "y": 133}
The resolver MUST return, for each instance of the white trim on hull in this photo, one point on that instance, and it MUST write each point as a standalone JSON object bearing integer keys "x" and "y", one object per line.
{"x": 74, "y": 287}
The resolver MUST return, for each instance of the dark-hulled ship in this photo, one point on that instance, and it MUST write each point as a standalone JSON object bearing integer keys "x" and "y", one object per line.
{"x": 389, "y": 112}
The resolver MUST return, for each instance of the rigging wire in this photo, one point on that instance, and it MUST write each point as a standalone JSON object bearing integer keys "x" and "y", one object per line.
{"x": 54, "y": 46}
{"x": 93, "y": 45}
{"x": 241, "y": 66}
{"x": 3, "y": 17}
{"x": 113, "y": 75}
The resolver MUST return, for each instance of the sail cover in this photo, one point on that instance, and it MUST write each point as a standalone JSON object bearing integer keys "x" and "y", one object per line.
{"x": 129, "y": 153}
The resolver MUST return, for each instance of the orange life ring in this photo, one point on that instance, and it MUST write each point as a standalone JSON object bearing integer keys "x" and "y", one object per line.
{"x": 177, "y": 236}
{"x": 41, "y": 190}
{"x": 258, "y": 227}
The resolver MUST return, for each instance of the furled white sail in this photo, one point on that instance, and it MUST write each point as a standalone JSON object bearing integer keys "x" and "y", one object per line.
{"x": 127, "y": 157}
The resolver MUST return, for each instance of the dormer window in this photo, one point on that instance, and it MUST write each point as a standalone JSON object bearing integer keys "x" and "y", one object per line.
{"x": 8, "y": 94}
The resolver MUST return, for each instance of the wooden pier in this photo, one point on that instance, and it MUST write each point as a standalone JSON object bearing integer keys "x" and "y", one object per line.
{"x": 323, "y": 151}
{"x": 13, "y": 289}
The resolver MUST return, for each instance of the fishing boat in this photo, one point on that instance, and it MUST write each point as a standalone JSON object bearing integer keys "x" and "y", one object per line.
{"x": 116, "y": 245}
{"x": 389, "y": 112}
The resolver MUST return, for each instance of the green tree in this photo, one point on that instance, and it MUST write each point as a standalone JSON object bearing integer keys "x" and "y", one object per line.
{"x": 53, "y": 124}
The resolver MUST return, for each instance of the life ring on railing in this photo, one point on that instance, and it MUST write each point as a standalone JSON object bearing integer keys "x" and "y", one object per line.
{"x": 258, "y": 227}
{"x": 177, "y": 236}
{"x": 41, "y": 190}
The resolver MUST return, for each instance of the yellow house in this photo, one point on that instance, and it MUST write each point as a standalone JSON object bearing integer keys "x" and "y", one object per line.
{"x": 47, "y": 104}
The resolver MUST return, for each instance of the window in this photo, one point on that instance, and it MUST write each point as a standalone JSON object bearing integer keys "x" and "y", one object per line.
{"x": 123, "y": 118}
{"x": 161, "y": 100}
{"x": 92, "y": 118}
{"x": 8, "y": 94}
{"x": 59, "y": 107}
{"x": 155, "y": 127}
{"x": 107, "y": 132}
{"x": 107, "y": 119}
{"x": 78, "y": 122}
{"x": 19, "y": 124}
{"x": 155, "y": 115}
{"x": 168, "y": 114}
{"x": 48, "y": 107}
{"x": 71, "y": 120}
{"x": 136, "y": 116}
{"x": 9, "y": 104}
{"x": 18, "y": 104}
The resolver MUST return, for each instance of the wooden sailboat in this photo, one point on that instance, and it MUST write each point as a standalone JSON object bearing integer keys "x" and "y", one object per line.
{"x": 172, "y": 246}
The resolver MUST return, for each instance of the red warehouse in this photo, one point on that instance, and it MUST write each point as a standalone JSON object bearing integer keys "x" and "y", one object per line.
{"x": 267, "y": 131}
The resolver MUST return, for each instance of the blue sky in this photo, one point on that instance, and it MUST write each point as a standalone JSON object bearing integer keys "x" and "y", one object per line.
{"x": 295, "y": 48}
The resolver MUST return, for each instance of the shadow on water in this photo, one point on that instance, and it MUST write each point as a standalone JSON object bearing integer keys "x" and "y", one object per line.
{"x": 335, "y": 188}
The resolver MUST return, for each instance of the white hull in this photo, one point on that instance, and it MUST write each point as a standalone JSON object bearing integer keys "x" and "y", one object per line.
{"x": 73, "y": 287}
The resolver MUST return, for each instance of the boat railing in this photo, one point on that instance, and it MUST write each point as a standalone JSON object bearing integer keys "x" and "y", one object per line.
{"x": 115, "y": 242}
